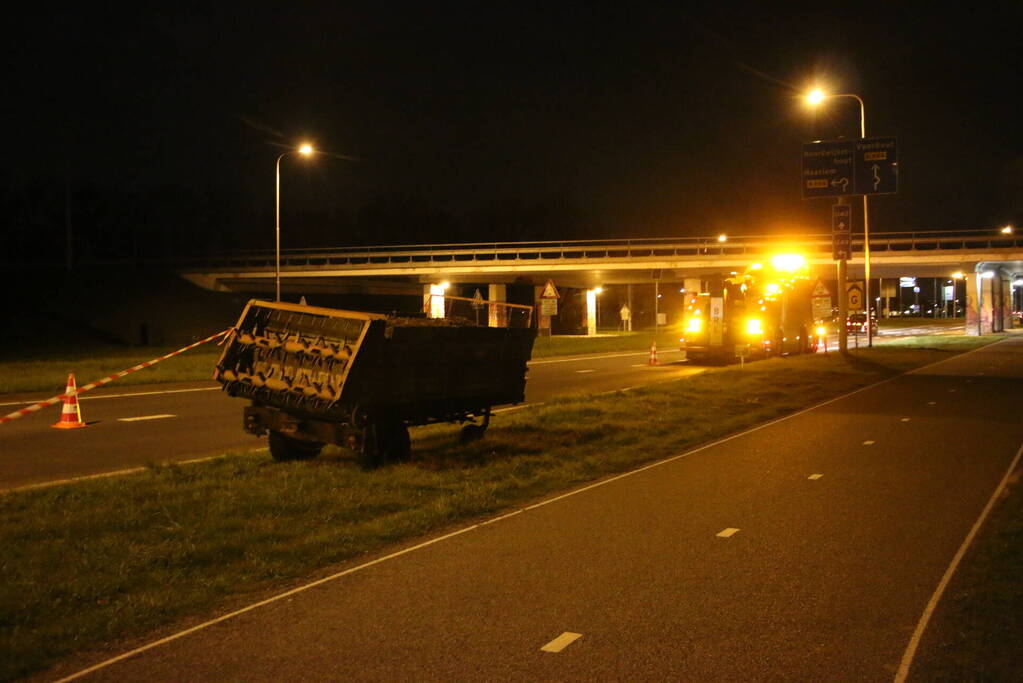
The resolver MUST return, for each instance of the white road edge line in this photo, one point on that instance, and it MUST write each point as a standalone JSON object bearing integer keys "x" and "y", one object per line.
{"x": 140, "y": 418}
{"x": 610, "y": 355}
{"x": 727, "y": 533}
{"x": 925, "y": 618}
{"x": 114, "y": 473}
{"x": 141, "y": 393}
{"x": 458, "y": 532}
{"x": 814, "y": 477}
{"x": 561, "y": 642}
{"x": 590, "y": 370}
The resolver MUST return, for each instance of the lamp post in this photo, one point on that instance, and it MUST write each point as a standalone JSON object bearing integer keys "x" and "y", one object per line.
{"x": 815, "y": 98}
{"x": 305, "y": 150}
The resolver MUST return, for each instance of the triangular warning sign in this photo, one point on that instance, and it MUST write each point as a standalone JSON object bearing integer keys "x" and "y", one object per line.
{"x": 477, "y": 299}
{"x": 819, "y": 289}
{"x": 549, "y": 292}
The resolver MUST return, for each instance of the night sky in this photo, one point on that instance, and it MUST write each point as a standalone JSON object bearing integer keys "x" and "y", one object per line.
{"x": 491, "y": 121}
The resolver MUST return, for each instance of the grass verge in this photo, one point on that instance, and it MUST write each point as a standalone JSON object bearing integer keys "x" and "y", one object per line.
{"x": 107, "y": 559}
{"x": 976, "y": 634}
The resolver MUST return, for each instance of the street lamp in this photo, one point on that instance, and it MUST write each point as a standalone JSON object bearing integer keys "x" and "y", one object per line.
{"x": 814, "y": 98}
{"x": 1007, "y": 230}
{"x": 305, "y": 150}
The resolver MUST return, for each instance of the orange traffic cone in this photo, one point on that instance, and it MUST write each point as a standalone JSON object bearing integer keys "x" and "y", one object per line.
{"x": 70, "y": 414}
{"x": 653, "y": 353}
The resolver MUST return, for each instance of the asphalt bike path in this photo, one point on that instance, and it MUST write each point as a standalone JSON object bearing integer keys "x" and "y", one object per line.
{"x": 804, "y": 549}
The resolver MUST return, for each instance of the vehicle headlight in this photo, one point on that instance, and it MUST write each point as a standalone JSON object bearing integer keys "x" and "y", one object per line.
{"x": 694, "y": 324}
{"x": 753, "y": 326}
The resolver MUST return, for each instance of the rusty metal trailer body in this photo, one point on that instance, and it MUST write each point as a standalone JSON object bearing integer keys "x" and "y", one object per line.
{"x": 359, "y": 380}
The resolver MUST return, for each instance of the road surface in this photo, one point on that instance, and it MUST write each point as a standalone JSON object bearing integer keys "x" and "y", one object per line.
{"x": 131, "y": 426}
{"x": 803, "y": 550}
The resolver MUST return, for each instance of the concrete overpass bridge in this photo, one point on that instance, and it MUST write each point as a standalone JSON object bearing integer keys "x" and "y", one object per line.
{"x": 992, "y": 260}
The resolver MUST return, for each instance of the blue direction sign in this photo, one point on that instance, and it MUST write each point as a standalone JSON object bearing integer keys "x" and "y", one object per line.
{"x": 828, "y": 169}
{"x": 876, "y": 167}
{"x": 838, "y": 168}
{"x": 841, "y": 222}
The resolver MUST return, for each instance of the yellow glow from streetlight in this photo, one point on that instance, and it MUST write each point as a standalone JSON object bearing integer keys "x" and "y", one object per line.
{"x": 722, "y": 237}
{"x": 958, "y": 275}
{"x": 306, "y": 149}
{"x": 815, "y": 97}
{"x": 756, "y": 266}
{"x": 598, "y": 290}
{"x": 444, "y": 285}
{"x": 1007, "y": 230}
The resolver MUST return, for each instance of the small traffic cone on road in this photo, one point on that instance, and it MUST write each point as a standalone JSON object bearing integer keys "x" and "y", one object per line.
{"x": 70, "y": 414}
{"x": 653, "y": 353}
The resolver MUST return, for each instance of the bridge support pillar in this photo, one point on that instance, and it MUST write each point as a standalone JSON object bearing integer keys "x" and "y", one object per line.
{"x": 988, "y": 301}
{"x": 497, "y": 315}
{"x": 433, "y": 301}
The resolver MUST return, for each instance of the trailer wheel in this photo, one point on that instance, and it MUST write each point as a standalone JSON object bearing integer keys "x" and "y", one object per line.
{"x": 471, "y": 433}
{"x": 284, "y": 448}
{"x": 386, "y": 440}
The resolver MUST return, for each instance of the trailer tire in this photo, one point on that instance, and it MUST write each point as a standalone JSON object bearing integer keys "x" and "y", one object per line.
{"x": 471, "y": 433}
{"x": 386, "y": 440}
{"x": 284, "y": 448}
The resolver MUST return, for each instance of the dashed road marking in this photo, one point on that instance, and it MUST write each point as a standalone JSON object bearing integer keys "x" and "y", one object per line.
{"x": 932, "y": 403}
{"x": 905, "y": 419}
{"x": 640, "y": 365}
{"x": 144, "y": 417}
{"x": 561, "y": 642}
{"x": 868, "y": 443}
{"x": 726, "y": 533}
{"x": 951, "y": 391}
{"x": 581, "y": 371}
{"x": 815, "y": 476}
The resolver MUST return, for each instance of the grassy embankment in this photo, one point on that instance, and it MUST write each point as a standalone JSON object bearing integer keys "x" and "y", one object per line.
{"x": 976, "y": 633}
{"x": 33, "y": 370}
{"x": 106, "y": 559}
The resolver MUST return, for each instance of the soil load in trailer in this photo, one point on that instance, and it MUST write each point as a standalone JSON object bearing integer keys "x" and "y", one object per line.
{"x": 359, "y": 380}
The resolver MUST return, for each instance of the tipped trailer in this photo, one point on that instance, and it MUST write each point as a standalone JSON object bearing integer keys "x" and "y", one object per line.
{"x": 359, "y": 380}
{"x": 765, "y": 311}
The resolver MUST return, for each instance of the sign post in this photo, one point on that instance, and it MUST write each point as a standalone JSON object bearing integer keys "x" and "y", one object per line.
{"x": 548, "y": 305}
{"x": 841, "y": 245}
{"x": 839, "y": 168}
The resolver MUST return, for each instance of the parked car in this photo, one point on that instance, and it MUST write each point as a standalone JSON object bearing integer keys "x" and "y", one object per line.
{"x": 856, "y": 323}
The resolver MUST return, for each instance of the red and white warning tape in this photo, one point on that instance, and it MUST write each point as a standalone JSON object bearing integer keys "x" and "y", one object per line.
{"x": 88, "y": 387}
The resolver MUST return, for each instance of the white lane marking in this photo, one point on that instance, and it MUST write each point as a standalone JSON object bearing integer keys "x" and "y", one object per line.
{"x": 518, "y": 407}
{"x": 140, "y": 418}
{"x": 905, "y": 419}
{"x": 914, "y": 641}
{"x": 868, "y": 443}
{"x": 726, "y": 533}
{"x": 116, "y": 472}
{"x": 561, "y": 642}
{"x": 610, "y": 355}
{"x": 951, "y": 391}
{"x": 815, "y": 476}
{"x": 590, "y": 370}
{"x": 932, "y": 403}
{"x": 141, "y": 393}
{"x": 458, "y": 532}
{"x": 640, "y": 365}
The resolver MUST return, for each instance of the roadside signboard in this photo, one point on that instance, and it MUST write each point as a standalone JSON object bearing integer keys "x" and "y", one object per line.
{"x": 854, "y": 295}
{"x": 841, "y": 220}
{"x": 549, "y": 299}
{"x": 549, "y": 291}
{"x": 820, "y": 301}
{"x": 837, "y": 168}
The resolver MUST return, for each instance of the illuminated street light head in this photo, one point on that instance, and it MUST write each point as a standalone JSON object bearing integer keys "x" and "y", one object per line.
{"x": 306, "y": 149}
{"x": 815, "y": 97}
{"x": 958, "y": 275}
{"x": 598, "y": 290}
{"x": 788, "y": 263}
{"x": 722, "y": 237}
{"x": 1007, "y": 230}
